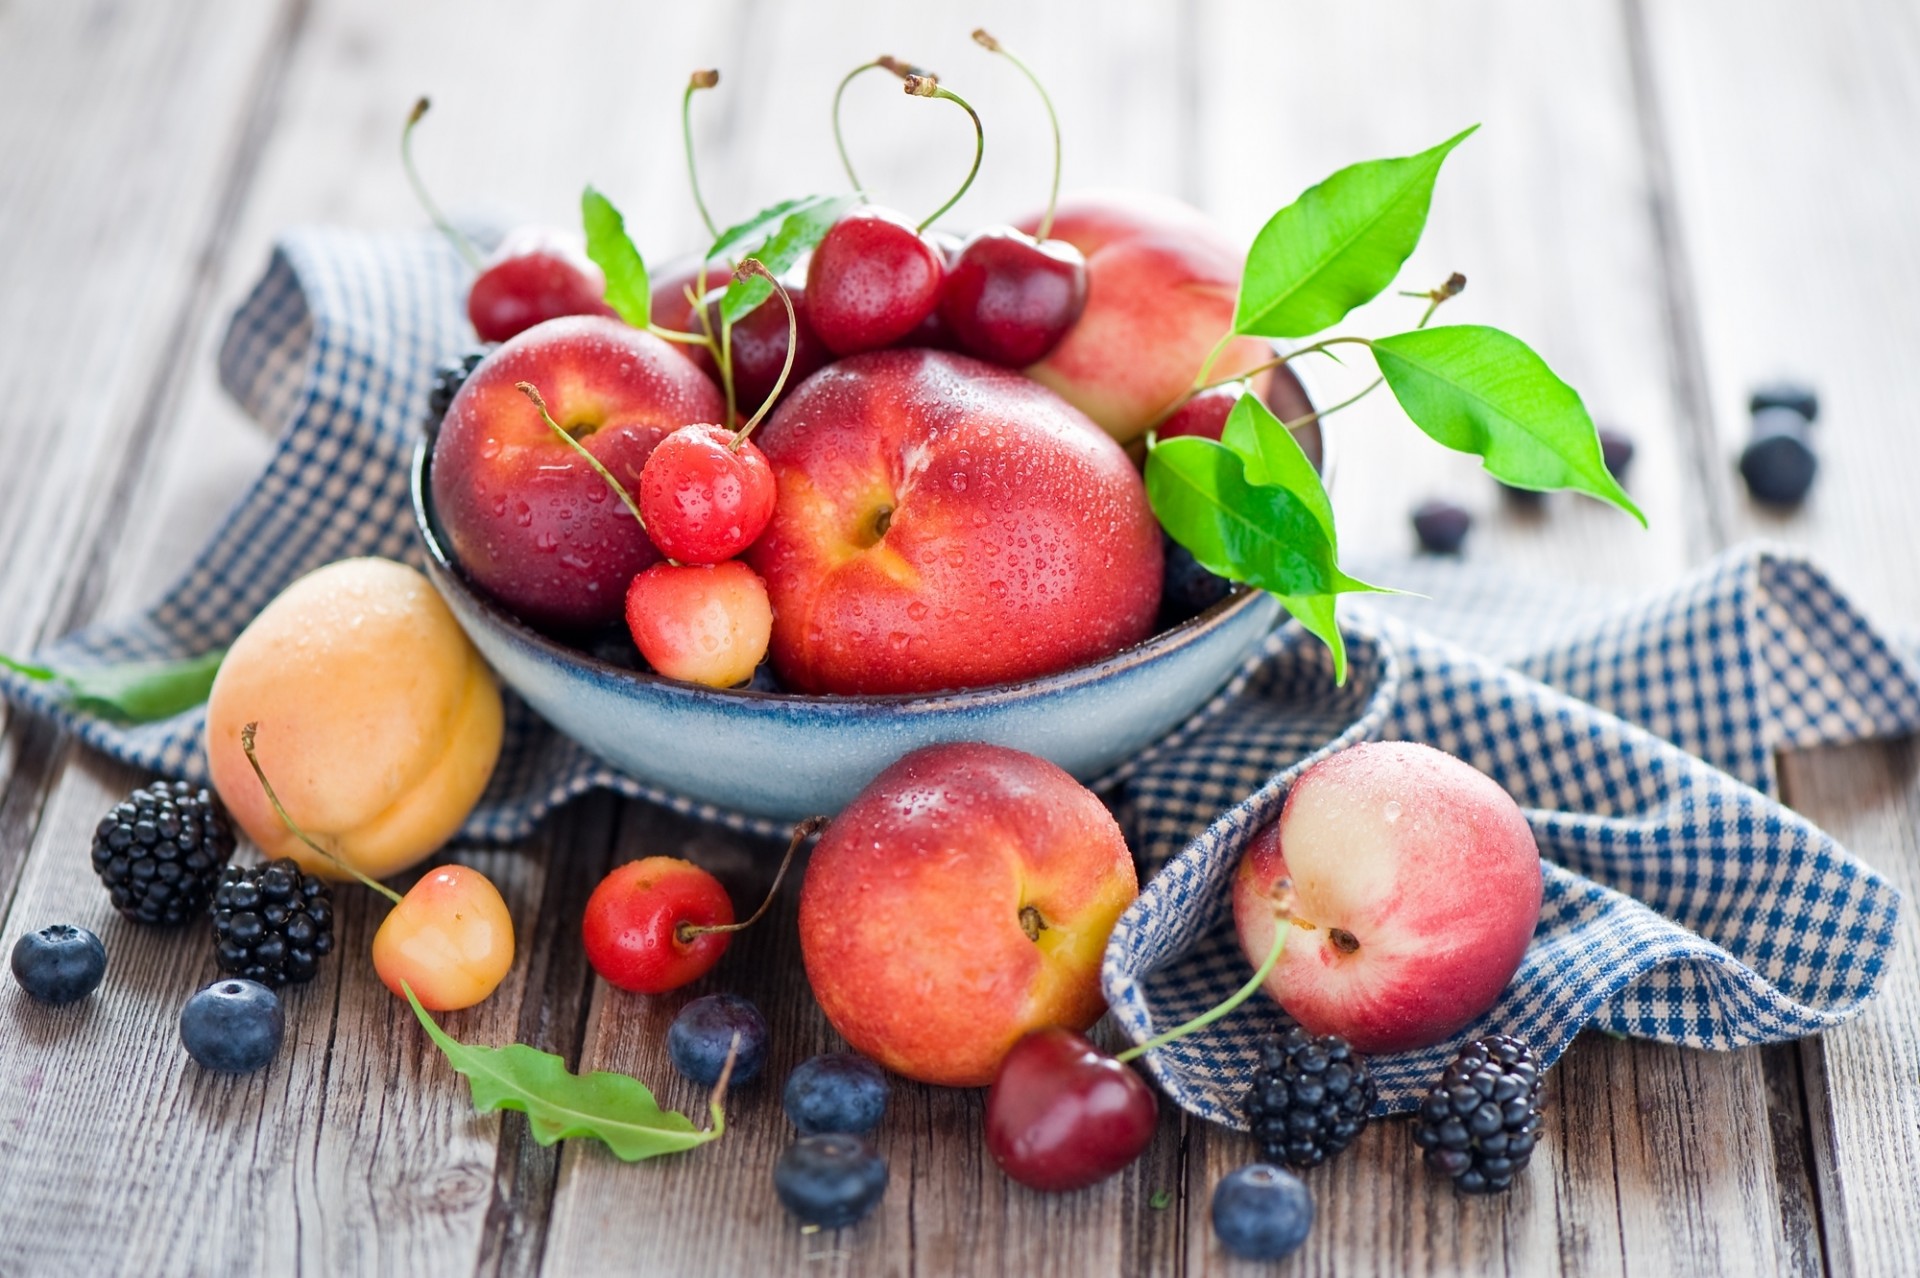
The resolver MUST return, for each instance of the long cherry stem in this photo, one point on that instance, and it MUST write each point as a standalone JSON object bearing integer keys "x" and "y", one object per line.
{"x": 986, "y": 41}
{"x": 246, "y": 745}
{"x": 926, "y": 86}
{"x": 686, "y": 932}
{"x": 748, "y": 268}
{"x": 532, "y": 392}
{"x": 885, "y": 62}
{"x": 461, "y": 244}
{"x": 1282, "y": 925}
{"x": 698, "y": 81}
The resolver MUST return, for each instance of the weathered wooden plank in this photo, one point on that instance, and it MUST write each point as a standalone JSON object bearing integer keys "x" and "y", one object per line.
{"x": 1654, "y": 1160}
{"x": 1789, "y": 283}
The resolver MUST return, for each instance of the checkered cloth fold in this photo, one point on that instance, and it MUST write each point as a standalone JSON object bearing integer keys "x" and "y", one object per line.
{"x": 1682, "y": 902}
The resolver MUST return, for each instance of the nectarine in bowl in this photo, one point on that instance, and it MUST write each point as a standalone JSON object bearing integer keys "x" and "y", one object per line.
{"x": 783, "y": 756}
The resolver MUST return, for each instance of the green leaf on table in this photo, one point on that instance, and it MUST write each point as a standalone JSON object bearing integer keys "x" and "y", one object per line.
{"x": 139, "y": 692}
{"x": 798, "y": 232}
{"x": 1482, "y": 391}
{"x": 614, "y": 1109}
{"x": 1338, "y": 245}
{"x": 1267, "y": 535}
{"x": 613, "y": 251}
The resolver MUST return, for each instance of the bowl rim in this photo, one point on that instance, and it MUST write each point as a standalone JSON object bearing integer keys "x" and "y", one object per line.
{"x": 1152, "y": 648}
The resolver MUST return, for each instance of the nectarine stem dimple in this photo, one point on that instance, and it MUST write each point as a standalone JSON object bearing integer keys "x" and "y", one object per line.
{"x": 1032, "y": 922}
{"x": 987, "y": 42}
{"x": 532, "y": 392}
{"x": 697, "y": 81}
{"x": 1282, "y": 924}
{"x": 1343, "y": 940}
{"x": 686, "y": 933}
{"x": 461, "y": 244}
{"x": 246, "y": 746}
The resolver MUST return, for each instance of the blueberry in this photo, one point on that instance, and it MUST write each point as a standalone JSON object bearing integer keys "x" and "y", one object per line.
{"x": 1441, "y": 526}
{"x": 701, "y": 1034}
{"x": 1261, "y": 1212}
{"x": 1802, "y": 400}
{"x": 233, "y": 1026}
{"x": 1616, "y": 448}
{"x": 59, "y": 964}
{"x": 837, "y": 1092}
{"x": 1187, "y": 589}
{"x": 831, "y": 1180}
{"x": 1779, "y": 463}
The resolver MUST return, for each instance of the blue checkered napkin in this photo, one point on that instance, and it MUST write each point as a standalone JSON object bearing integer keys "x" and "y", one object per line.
{"x": 334, "y": 351}
{"x": 1681, "y": 903}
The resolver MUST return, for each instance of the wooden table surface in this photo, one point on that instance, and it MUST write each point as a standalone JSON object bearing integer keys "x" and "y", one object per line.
{"x": 1672, "y": 201}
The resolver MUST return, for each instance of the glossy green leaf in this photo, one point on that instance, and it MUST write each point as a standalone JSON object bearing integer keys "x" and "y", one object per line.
{"x": 737, "y": 239}
{"x": 140, "y": 692}
{"x": 799, "y": 231}
{"x": 1482, "y": 391}
{"x": 613, "y": 251}
{"x": 615, "y": 1109}
{"x": 1338, "y": 245}
{"x": 1265, "y": 535}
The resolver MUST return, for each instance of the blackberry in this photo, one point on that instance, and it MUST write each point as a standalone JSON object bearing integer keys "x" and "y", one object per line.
{"x": 1309, "y": 1099}
{"x": 272, "y": 923}
{"x": 1479, "y": 1123}
{"x": 448, "y": 377}
{"x": 160, "y": 851}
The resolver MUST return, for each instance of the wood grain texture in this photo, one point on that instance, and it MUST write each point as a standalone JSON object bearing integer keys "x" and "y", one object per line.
{"x": 1620, "y": 210}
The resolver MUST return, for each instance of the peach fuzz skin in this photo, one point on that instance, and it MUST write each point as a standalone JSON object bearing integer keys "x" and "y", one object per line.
{"x": 943, "y": 523}
{"x": 1423, "y": 861}
{"x": 910, "y": 917}
{"x": 379, "y": 724}
{"x": 1162, "y": 280}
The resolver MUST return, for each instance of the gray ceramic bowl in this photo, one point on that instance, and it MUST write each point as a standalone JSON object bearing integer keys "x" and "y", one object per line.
{"x": 785, "y": 756}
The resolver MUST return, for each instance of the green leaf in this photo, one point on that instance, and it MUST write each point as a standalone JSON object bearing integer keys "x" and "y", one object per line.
{"x": 760, "y": 225}
{"x": 1482, "y": 391}
{"x": 613, "y": 252}
{"x": 1338, "y": 245}
{"x": 140, "y": 692}
{"x": 798, "y": 233}
{"x": 612, "y": 1108}
{"x": 1264, "y": 535}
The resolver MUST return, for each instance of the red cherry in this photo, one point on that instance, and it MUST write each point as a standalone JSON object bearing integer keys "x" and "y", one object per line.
{"x": 634, "y": 921}
{"x": 760, "y": 349}
{"x": 1205, "y": 415}
{"x": 1063, "y": 1114}
{"x": 537, "y": 274}
{"x": 871, "y": 282}
{"x": 704, "y": 623}
{"x": 703, "y": 499}
{"x": 1010, "y": 298}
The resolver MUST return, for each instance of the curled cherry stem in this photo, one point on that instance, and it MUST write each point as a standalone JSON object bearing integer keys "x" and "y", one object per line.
{"x": 246, "y": 745}
{"x": 687, "y": 932}
{"x": 705, "y": 79}
{"x": 461, "y": 244}
{"x": 987, "y": 42}
{"x": 927, "y": 86}
{"x": 1283, "y": 923}
{"x": 532, "y": 392}
{"x": 748, "y": 268}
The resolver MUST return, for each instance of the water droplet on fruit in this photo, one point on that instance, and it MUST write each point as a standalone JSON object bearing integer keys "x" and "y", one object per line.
{"x": 523, "y": 514}
{"x": 957, "y": 481}
{"x": 500, "y": 506}
{"x": 917, "y": 611}
{"x": 899, "y": 640}
{"x": 956, "y": 557}
{"x": 1391, "y": 811}
{"x": 597, "y": 494}
{"x": 489, "y": 448}
{"x": 546, "y": 541}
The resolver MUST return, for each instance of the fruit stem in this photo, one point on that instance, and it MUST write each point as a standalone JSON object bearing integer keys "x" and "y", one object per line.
{"x": 1206, "y": 367}
{"x": 926, "y": 86}
{"x": 1283, "y": 924}
{"x": 884, "y": 62}
{"x": 461, "y": 244}
{"x": 246, "y": 745}
{"x": 749, "y": 267}
{"x": 719, "y": 1092}
{"x": 986, "y": 41}
{"x": 532, "y": 392}
{"x": 686, "y": 933}
{"x": 698, "y": 81}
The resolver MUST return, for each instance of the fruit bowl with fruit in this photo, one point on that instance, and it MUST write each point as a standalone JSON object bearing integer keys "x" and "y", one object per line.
{"x": 856, "y": 486}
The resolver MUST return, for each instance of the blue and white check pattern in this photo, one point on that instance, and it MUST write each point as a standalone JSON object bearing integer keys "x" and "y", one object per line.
{"x": 1682, "y": 902}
